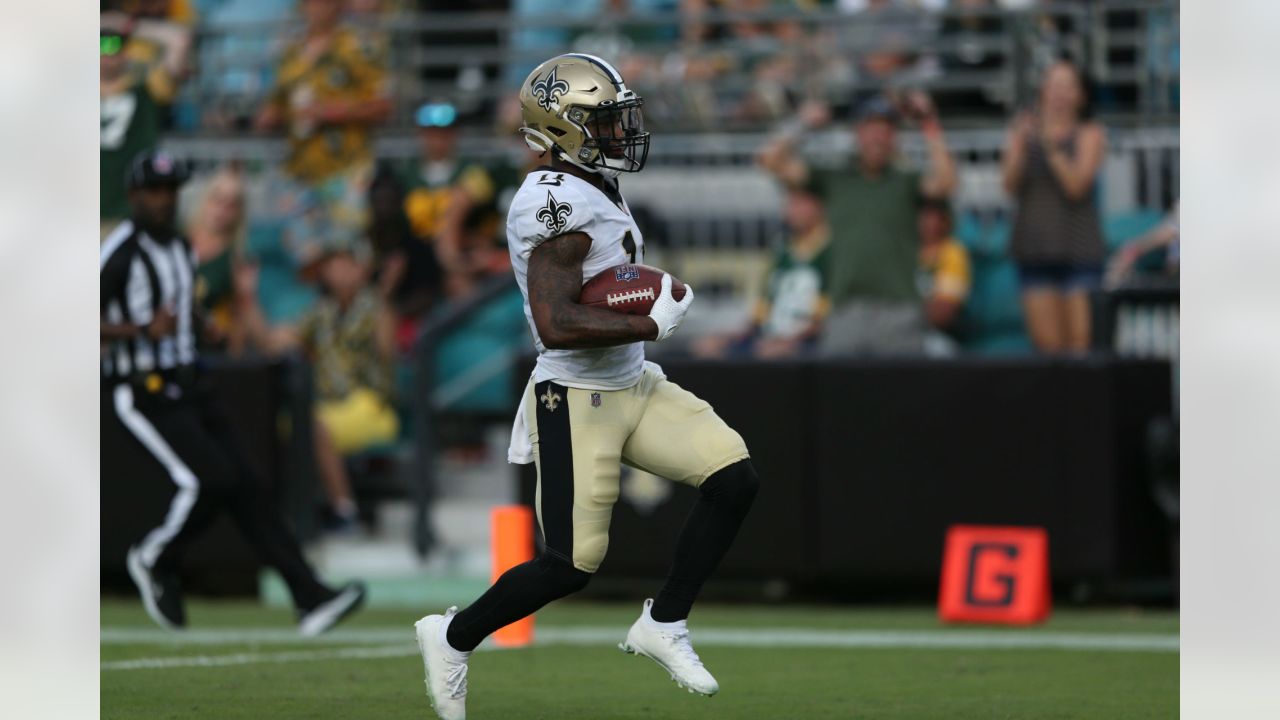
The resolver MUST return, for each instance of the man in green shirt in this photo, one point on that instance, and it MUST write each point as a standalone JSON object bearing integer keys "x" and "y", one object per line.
{"x": 871, "y": 208}
{"x": 129, "y": 120}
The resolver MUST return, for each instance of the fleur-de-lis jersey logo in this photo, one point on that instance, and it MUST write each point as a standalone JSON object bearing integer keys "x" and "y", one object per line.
{"x": 555, "y": 215}
{"x": 551, "y": 399}
{"x": 548, "y": 89}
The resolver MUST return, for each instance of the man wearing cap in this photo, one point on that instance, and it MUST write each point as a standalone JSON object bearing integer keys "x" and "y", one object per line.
{"x": 446, "y": 193}
{"x": 153, "y": 387}
{"x": 871, "y": 205}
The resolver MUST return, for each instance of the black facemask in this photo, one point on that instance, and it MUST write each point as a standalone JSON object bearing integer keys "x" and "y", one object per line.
{"x": 617, "y": 131}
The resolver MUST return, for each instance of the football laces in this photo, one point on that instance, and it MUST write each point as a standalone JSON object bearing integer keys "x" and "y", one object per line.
{"x": 628, "y": 296}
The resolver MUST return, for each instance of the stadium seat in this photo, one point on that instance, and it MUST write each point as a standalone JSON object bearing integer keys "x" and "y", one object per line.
{"x": 283, "y": 297}
{"x": 497, "y": 331}
{"x": 991, "y": 323}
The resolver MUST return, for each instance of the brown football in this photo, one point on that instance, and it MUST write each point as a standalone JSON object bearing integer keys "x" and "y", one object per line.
{"x": 629, "y": 289}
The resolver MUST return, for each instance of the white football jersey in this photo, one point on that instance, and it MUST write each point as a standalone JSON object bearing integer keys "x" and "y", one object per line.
{"x": 552, "y": 203}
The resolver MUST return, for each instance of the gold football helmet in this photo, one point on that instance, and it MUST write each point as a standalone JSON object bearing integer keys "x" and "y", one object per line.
{"x": 578, "y": 107}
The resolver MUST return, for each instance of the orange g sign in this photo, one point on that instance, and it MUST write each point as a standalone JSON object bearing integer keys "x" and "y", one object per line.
{"x": 995, "y": 575}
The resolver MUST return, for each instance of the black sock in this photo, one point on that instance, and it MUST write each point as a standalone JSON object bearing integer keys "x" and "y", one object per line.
{"x": 520, "y": 592}
{"x": 707, "y": 535}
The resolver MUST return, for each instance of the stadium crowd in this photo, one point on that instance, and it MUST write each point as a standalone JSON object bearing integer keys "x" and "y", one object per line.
{"x": 341, "y": 256}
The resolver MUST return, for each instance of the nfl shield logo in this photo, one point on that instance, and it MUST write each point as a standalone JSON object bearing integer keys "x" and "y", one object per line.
{"x": 595, "y": 399}
{"x": 626, "y": 273}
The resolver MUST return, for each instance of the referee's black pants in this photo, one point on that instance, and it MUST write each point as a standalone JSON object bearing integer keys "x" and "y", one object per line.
{"x": 193, "y": 440}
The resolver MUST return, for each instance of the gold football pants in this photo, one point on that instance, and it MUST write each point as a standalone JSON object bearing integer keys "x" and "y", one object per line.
{"x": 581, "y": 437}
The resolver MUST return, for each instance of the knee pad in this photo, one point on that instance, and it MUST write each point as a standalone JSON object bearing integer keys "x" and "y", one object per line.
{"x": 737, "y": 483}
{"x": 561, "y": 573}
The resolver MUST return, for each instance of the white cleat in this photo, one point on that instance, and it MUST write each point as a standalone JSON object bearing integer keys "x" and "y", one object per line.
{"x": 668, "y": 645}
{"x": 446, "y": 668}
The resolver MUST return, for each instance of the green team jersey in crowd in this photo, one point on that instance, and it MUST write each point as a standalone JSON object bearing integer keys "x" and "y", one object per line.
{"x": 795, "y": 292}
{"x": 873, "y": 233}
{"x": 130, "y": 124}
{"x": 427, "y": 198}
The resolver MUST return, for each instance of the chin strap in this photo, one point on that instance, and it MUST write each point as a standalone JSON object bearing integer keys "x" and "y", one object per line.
{"x": 607, "y": 172}
{"x": 541, "y": 143}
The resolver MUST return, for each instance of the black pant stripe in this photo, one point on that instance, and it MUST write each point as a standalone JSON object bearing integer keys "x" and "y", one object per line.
{"x": 555, "y": 471}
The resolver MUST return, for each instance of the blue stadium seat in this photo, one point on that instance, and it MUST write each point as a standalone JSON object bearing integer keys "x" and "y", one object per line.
{"x": 283, "y": 297}
{"x": 991, "y": 323}
{"x": 498, "y": 330}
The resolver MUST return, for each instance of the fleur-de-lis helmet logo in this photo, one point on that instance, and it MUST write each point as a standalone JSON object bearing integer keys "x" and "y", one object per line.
{"x": 548, "y": 89}
{"x": 555, "y": 215}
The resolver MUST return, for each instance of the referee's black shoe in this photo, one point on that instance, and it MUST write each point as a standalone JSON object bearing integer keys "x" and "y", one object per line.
{"x": 161, "y": 592}
{"x": 344, "y": 601}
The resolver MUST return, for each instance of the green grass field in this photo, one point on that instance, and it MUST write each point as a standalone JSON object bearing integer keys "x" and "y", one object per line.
{"x": 241, "y": 660}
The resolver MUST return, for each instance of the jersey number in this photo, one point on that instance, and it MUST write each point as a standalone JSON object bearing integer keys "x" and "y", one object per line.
{"x": 116, "y": 113}
{"x": 629, "y": 244}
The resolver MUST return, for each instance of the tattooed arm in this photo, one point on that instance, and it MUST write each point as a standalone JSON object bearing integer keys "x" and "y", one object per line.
{"x": 555, "y": 282}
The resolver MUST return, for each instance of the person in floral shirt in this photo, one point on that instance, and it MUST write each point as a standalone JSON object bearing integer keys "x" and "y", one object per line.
{"x": 349, "y": 338}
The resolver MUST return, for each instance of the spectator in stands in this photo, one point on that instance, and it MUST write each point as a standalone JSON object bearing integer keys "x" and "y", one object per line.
{"x": 159, "y": 46}
{"x": 129, "y": 117}
{"x": 349, "y": 338}
{"x": 370, "y": 12}
{"x": 871, "y": 205}
{"x": 182, "y": 12}
{"x": 1052, "y": 158}
{"x": 944, "y": 277}
{"x": 885, "y": 37}
{"x": 367, "y": 18}
{"x": 1166, "y": 236}
{"x": 331, "y": 90}
{"x": 529, "y": 40}
{"x": 971, "y": 41}
{"x": 787, "y": 321}
{"x": 289, "y": 232}
{"x": 625, "y": 43}
{"x": 780, "y": 52}
{"x": 405, "y": 265}
{"x": 691, "y": 75}
{"x": 216, "y": 232}
{"x": 1051, "y": 26}
{"x": 448, "y": 196}
{"x": 231, "y": 89}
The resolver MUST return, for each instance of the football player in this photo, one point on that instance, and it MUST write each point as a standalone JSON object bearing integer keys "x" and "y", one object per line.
{"x": 593, "y": 402}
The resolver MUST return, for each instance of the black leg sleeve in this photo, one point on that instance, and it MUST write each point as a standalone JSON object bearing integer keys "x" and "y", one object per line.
{"x": 258, "y": 516}
{"x": 520, "y": 592}
{"x": 712, "y": 525}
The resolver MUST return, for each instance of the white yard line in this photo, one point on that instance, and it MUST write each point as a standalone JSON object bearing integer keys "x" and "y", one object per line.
{"x": 398, "y": 642}
{"x": 156, "y": 663}
{"x": 251, "y": 636}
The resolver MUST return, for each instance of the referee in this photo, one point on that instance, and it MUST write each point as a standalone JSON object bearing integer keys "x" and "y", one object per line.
{"x": 149, "y": 369}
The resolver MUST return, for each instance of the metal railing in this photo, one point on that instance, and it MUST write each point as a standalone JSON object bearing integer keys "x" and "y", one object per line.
{"x": 704, "y": 72}
{"x": 704, "y": 190}
{"x": 429, "y": 401}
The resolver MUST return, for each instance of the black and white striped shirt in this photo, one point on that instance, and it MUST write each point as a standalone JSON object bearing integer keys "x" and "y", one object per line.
{"x": 138, "y": 275}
